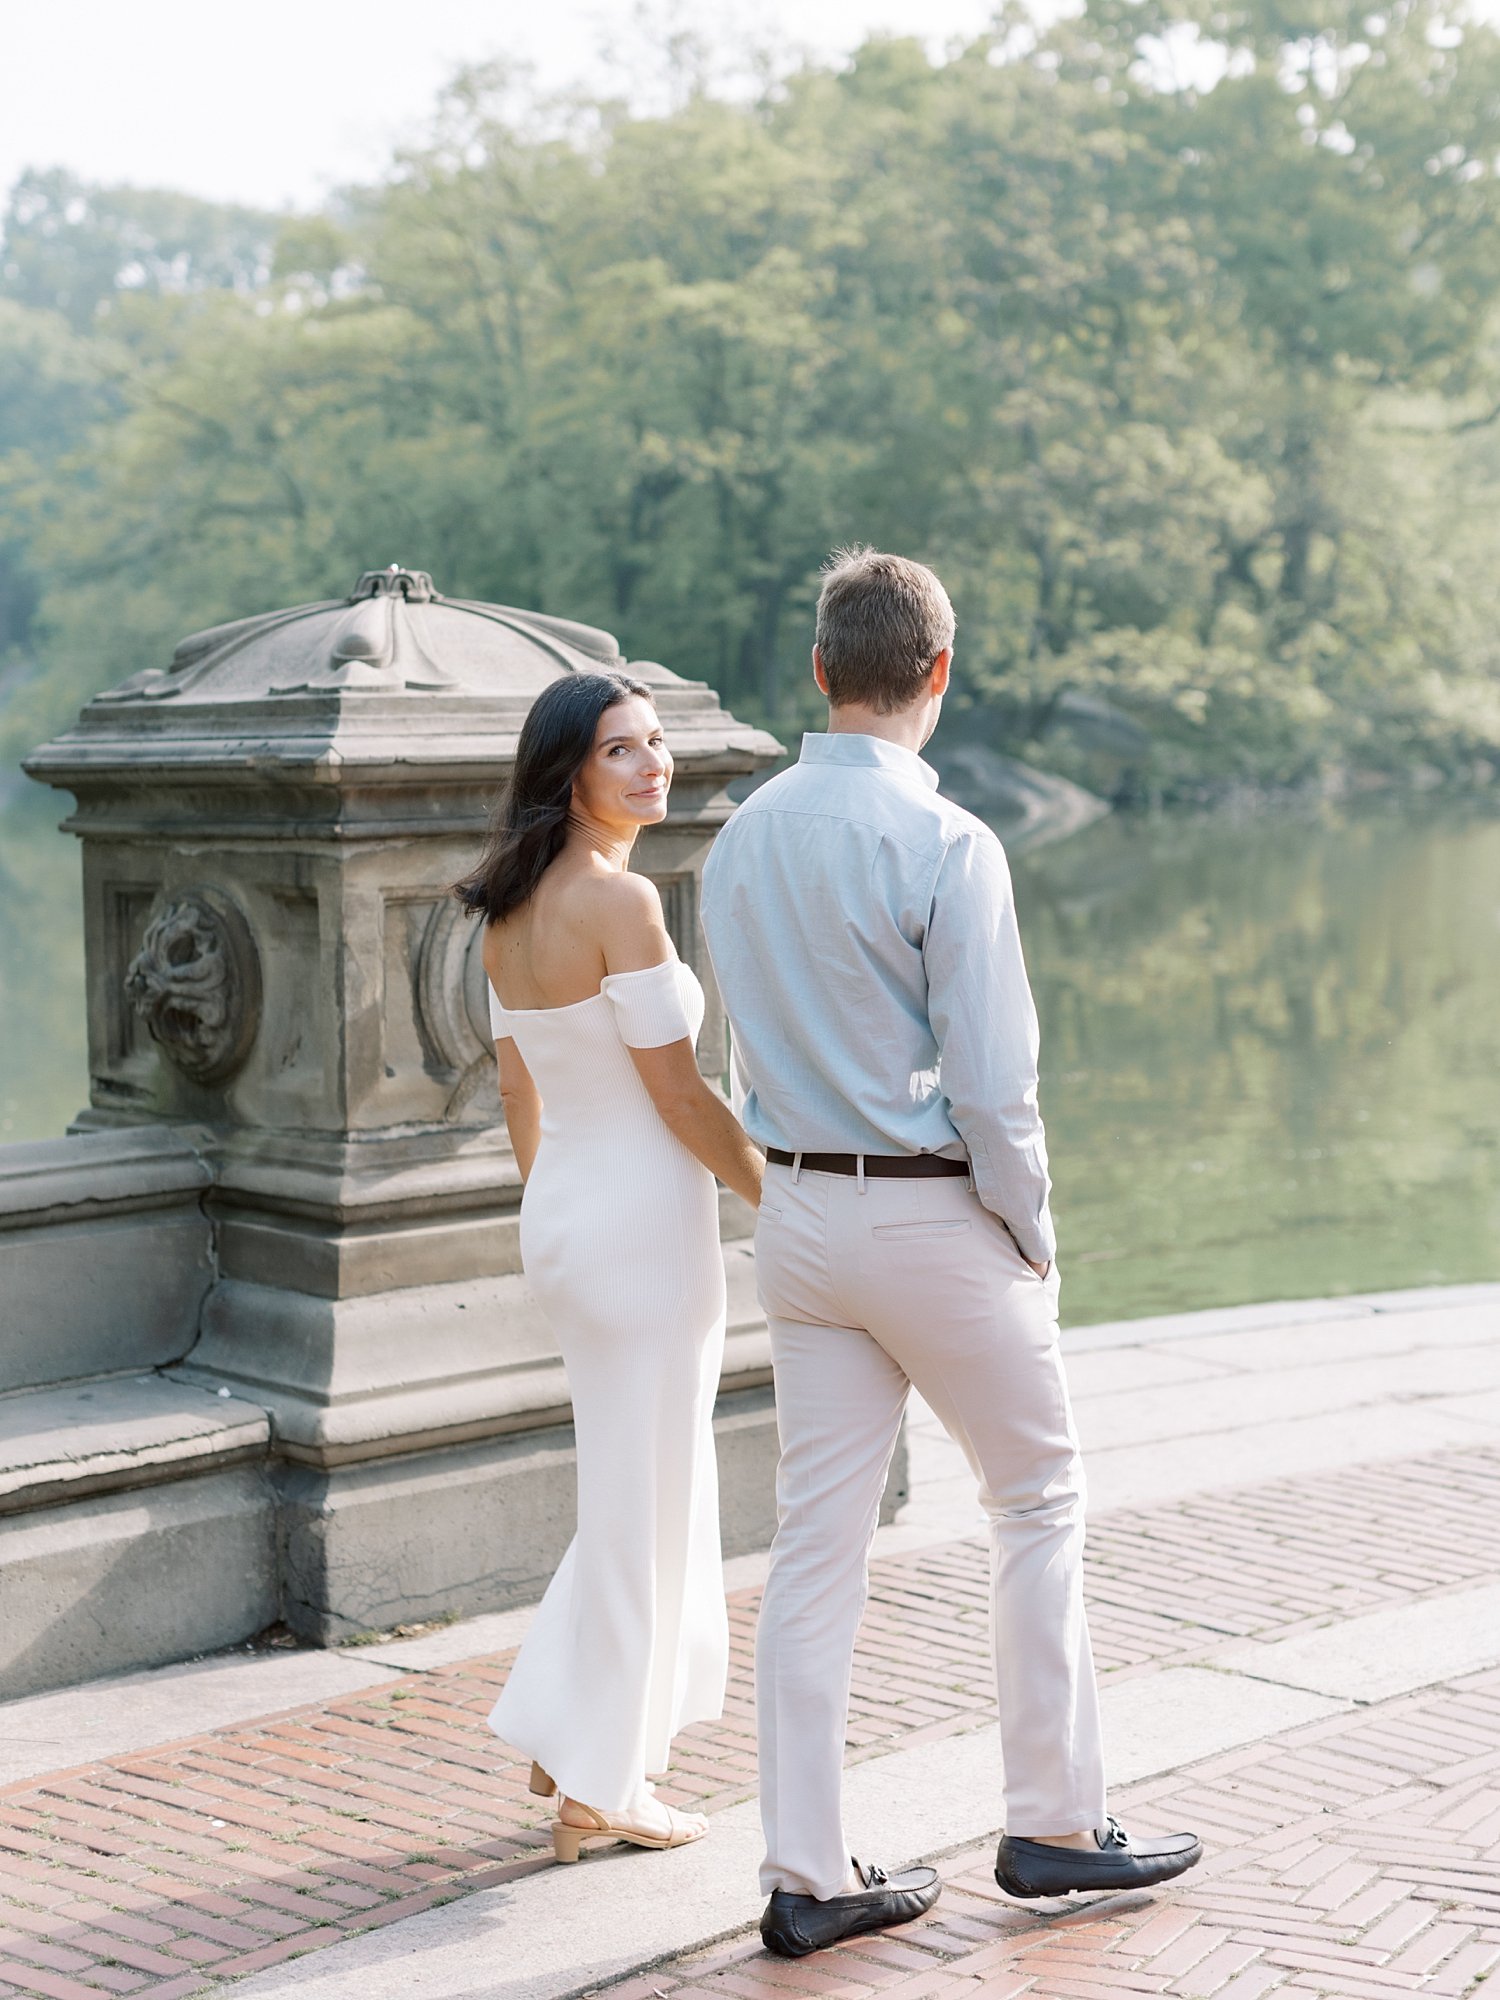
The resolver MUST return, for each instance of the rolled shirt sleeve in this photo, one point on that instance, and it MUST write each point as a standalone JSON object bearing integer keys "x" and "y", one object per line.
{"x": 984, "y": 1020}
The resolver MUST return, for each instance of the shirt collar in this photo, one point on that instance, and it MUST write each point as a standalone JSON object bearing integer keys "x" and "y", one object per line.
{"x": 872, "y": 752}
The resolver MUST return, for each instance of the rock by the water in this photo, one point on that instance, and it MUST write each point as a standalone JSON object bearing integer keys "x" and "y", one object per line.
{"x": 1026, "y": 807}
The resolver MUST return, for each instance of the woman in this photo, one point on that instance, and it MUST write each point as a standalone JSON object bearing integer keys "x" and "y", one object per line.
{"x": 618, "y": 1139}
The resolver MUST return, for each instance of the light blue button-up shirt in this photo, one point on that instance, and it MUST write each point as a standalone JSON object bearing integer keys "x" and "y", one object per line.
{"x": 863, "y": 932}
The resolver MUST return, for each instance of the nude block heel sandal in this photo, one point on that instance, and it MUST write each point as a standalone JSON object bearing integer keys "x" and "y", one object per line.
{"x": 567, "y": 1840}
{"x": 541, "y": 1784}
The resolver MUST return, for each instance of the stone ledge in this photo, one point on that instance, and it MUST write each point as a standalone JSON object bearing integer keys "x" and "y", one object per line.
{"x": 114, "y": 1432}
{"x": 481, "y": 1526}
{"x": 116, "y": 1581}
{"x": 418, "y": 1368}
{"x": 101, "y": 1173}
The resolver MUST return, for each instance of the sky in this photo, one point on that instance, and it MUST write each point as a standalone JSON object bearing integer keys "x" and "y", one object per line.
{"x": 274, "y": 103}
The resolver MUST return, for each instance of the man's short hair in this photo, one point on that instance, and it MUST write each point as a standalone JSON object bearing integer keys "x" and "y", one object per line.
{"x": 882, "y": 621}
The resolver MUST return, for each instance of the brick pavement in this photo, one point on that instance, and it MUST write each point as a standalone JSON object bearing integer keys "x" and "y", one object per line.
{"x": 1354, "y": 1857}
{"x": 170, "y": 1871}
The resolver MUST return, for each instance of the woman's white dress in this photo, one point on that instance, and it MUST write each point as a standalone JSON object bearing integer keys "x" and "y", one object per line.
{"x": 620, "y": 1242}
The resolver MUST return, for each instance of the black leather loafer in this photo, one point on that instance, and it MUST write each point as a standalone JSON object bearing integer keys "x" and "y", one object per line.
{"x": 792, "y": 1926}
{"x": 1030, "y": 1868}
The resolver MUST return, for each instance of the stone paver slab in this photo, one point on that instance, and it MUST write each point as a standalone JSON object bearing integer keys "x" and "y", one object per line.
{"x": 1215, "y": 1319}
{"x": 1161, "y": 1721}
{"x": 1480, "y": 1411}
{"x": 1381, "y": 1653}
{"x": 53, "y": 1732}
{"x": 1253, "y": 1400}
{"x": 1131, "y": 1475}
{"x": 1450, "y": 1330}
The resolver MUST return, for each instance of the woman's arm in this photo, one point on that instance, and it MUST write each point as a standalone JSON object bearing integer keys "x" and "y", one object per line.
{"x": 691, "y": 1107}
{"x": 633, "y": 935}
{"x": 521, "y": 1101}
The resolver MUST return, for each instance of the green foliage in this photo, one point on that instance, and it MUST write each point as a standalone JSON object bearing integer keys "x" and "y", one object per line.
{"x": 1168, "y": 376}
{"x": 74, "y": 249}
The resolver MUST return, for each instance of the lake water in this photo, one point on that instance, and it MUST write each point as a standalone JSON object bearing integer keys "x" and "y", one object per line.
{"x": 1271, "y": 1046}
{"x": 1271, "y": 1055}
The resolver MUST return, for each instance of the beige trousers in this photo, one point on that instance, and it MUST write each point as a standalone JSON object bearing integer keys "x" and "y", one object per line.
{"x": 868, "y": 1290}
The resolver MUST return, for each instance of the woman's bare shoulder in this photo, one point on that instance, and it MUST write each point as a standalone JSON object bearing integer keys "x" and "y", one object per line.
{"x": 625, "y": 897}
{"x": 626, "y": 914}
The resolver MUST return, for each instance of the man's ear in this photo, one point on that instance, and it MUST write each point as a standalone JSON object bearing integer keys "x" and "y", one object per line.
{"x": 937, "y": 680}
{"x": 818, "y": 674}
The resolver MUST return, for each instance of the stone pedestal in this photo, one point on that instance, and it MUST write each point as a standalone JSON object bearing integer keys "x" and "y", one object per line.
{"x": 270, "y": 825}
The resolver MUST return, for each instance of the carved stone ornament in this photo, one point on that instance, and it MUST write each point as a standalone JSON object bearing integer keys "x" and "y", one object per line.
{"x": 195, "y": 982}
{"x": 414, "y": 585}
{"x": 383, "y": 643}
{"x": 453, "y": 998}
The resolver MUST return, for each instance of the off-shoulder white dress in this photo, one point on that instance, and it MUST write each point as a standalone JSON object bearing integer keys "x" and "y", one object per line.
{"x": 620, "y": 1242}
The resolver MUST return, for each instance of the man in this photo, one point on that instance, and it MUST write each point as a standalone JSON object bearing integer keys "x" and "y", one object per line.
{"x": 864, "y": 937}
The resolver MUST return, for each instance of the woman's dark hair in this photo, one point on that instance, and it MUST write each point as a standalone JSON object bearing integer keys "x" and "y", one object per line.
{"x": 531, "y": 821}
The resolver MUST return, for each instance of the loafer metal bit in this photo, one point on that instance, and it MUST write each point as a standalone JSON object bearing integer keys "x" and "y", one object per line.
{"x": 1031, "y": 1868}
{"x": 793, "y": 1926}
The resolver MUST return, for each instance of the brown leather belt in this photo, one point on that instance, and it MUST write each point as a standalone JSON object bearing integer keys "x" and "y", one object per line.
{"x": 878, "y": 1166}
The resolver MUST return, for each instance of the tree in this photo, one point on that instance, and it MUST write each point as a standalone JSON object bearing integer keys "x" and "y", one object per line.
{"x": 76, "y": 249}
{"x": 1155, "y": 333}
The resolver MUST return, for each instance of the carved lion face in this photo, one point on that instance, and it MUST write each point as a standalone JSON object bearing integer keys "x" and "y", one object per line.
{"x": 181, "y": 984}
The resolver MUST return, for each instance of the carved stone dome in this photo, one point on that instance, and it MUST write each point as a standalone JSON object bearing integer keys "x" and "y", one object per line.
{"x": 393, "y": 679}
{"x": 392, "y": 633}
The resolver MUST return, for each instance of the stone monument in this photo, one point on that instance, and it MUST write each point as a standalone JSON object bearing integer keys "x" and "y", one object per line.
{"x": 277, "y": 970}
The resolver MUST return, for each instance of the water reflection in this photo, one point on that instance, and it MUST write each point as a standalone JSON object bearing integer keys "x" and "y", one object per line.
{"x": 1271, "y": 1048}
{"x": 43, "y": 1045}
{"x": 1271, "y": 1056}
